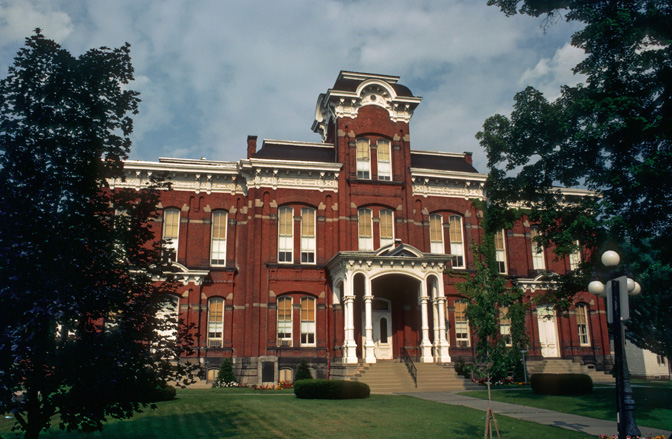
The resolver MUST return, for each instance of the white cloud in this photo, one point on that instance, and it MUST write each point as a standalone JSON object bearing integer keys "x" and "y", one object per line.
{"x": 551, "y": 73}
{"x": 19, "y": 18}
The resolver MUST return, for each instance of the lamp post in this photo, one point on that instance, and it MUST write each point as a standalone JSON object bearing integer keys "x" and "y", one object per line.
{"x": 616, "y": 291}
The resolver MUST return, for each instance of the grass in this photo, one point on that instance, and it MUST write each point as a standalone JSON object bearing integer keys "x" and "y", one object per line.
{"x": 227, "y": 413}
{"x": 653, "y": 405}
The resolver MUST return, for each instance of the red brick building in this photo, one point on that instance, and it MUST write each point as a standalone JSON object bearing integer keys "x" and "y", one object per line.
{"x": 345, "y": 251}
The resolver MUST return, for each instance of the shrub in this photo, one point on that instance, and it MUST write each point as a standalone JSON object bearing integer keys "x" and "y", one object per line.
{"x": 331, "y": 389}
{"x": 561, "y": 384}
{"x": 303, "y": 372}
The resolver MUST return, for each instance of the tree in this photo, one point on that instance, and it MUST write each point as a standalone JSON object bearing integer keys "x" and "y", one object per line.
{"x": 225, "y": 375}
{"x": 612, "y": 135}
{"x": 303, "y": 372}
{"x": 83, "y": 325}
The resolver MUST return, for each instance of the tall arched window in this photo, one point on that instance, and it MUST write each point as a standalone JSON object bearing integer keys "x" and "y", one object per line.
{"x": 308, "y": 235}
{"x": 285, "y": 234}
{"x": 456, "y": 241}
{"x": 215, "y": 322}
{"x": 582, "y": 324}
{"x": 218, "y": 242}
{"x": 307, "y": 321}
{"x": 537, "y": 250}
{"x": 384, "y": 160}
{"x": 386, "y": 227}
{"x": 436, "y": 234}
{"x": 500, "y": 251}
{"x": 171, "y": 233}
{"x": 285, "y": 321}
{"x": 363, "y": 161}
{"x": 461, "y": 323}
{"x": 365, "y": 229}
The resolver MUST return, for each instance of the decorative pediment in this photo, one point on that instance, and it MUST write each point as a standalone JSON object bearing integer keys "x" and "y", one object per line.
{"x": 541, "y": 281}
{"x": 400, "y": 250}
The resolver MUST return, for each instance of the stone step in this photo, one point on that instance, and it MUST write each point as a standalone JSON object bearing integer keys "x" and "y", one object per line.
{"x": 567, "y": 366}
{"x": 391, "y": 377}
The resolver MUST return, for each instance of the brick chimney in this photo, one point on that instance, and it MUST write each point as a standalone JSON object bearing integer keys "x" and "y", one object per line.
{"x": 251, "y": 146}
{"x": 467, "y": 157}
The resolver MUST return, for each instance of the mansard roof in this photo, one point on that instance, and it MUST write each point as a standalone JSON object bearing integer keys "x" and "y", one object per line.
{"x": 441, "y": 161}
{"x": 350, "y": 81}
{"x": 296, "y": 151}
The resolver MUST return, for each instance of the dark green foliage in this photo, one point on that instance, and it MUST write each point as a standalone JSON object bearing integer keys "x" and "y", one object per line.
{"x": 303, "y": 372}
{"x": 225, "y": 374}
{"x": 561, "y": 383}
{"x": 613, "y": 135}
{"x": 330, "y": 389}
{"x": 161, "y": 392}
{"x": 81, "y": 317}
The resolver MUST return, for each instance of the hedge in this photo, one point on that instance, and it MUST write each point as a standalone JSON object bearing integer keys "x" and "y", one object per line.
{"x": 330, "y": 389}
{"x": 561, "y": 383}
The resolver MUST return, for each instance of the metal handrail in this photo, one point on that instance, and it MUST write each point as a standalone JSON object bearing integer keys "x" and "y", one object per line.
{"x": 410, "y": 366}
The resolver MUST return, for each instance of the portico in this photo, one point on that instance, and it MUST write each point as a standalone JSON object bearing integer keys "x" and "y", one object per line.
{"x": 390, "y": 298}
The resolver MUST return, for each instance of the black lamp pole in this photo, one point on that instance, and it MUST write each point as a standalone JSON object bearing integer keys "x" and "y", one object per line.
{"x": 625, "y": 401}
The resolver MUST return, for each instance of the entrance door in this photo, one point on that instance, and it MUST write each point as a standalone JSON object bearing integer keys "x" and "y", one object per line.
{"x": 548, "y": 333}
{"x": 382, "y": 334}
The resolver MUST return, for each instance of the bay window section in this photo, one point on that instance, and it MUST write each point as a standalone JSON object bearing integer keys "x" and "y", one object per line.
{"x": 285, "y": 234}
{"x": 307, "y": 235}
{"x": 218, "y": 242}
{"x": 365, "y": 230}
{"x": 456, "y": 241}
{"x": 386, "y": 227}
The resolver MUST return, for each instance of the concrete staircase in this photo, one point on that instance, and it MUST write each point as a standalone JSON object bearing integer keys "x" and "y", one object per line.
{"x": 568, "y": 366}
{"x": 393, "y": 377}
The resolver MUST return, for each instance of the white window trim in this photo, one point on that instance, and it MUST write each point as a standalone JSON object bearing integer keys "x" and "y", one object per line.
{"x": 575, "y": 258}
{"x": 286, "y": 242}
{"x": 218, "y": 246}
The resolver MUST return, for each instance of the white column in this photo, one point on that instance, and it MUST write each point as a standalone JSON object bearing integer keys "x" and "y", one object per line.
{"x": 425, "y": 344}
{"x": 369, "y": 348}
{"x": 350, "y": 345}
{"x": 443, "y": 345}
{"x": 435, "y": 320}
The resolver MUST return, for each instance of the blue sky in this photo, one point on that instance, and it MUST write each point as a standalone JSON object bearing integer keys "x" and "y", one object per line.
{"x": 212, "y": 72}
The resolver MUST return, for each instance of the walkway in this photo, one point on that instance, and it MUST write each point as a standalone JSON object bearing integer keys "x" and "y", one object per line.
{"x": 591, "y": 426}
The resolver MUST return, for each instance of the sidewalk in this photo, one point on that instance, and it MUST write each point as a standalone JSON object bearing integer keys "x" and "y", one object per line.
{"x": 591, "y": 426}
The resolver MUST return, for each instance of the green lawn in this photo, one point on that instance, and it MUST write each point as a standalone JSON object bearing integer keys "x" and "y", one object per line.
{"x": 653, "y": 404}
{"x": 224, "y": 413}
